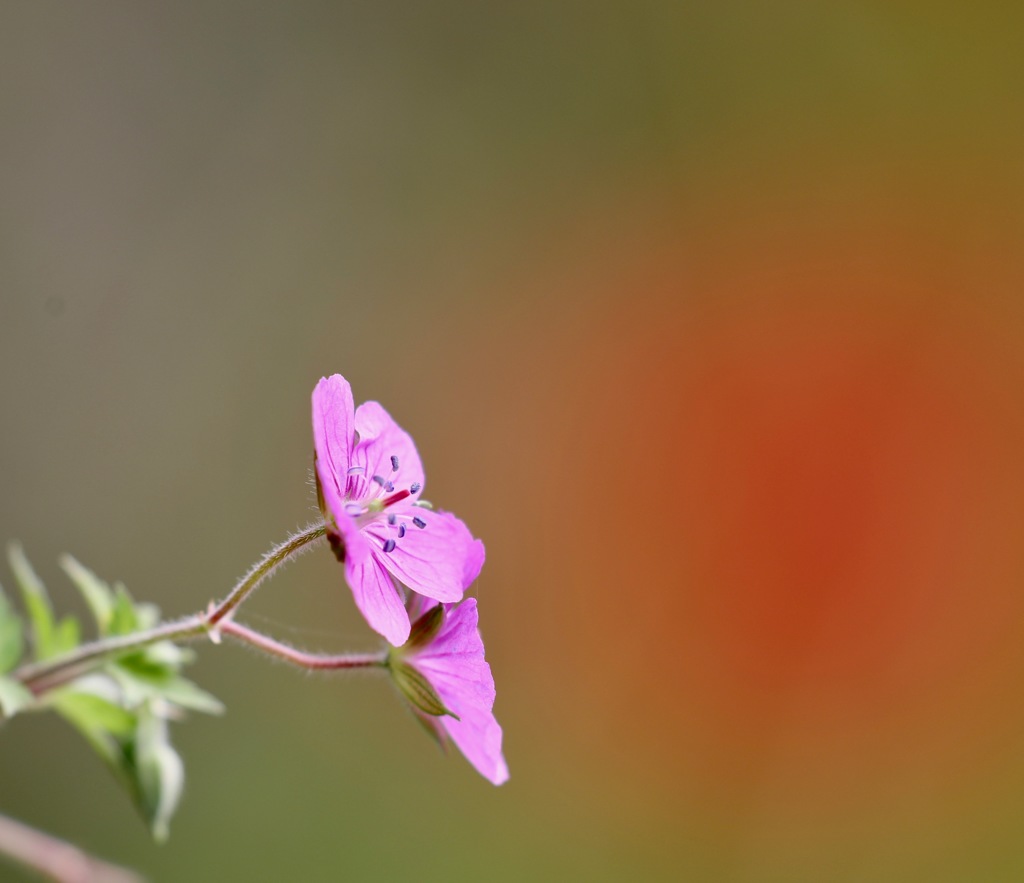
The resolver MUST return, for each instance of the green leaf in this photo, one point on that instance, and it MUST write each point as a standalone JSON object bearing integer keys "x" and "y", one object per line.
{"x": 142, "y": 679}
{"x": 123, "y": 618}
{"x": 98, "y": 595}
{"x": 66, "y": 635}
{"x": 160, "y": 774}
{"x": 417, "y": 689}
{"x": 169, "y": 655}
{"x": 12, "y": 641}
{"x": 185, "y": 694}
{"x": 147, "y": 614}
{"x": 136, "y": 688}
{"x": 87, "y": 711}
{"x": 37, "y": 602}
{"x": 89, "y": 719}
{"x": 14, "y": 696}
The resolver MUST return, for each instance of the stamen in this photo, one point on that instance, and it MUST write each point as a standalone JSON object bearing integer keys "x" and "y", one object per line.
{"x": 419, "y": 522}
{"x": 415, "y": 489}
{"x": 389, "y": 545}
{"x": 356, "y": 470}
{"x": 353, "y": 509}
{"x": 394, "y": 463}
{"x": 379, "y": 480}
{"x": 401, "y": 531}
{"x": 392, "y": 518}
{"x": 389, "y": 487}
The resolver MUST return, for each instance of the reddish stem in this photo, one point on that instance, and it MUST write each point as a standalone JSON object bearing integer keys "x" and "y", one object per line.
{"x": 314, "y": 661}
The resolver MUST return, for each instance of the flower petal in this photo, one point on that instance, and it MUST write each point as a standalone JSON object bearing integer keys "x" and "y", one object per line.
{"x": 478, "y": 736}
{"x": 333, "y": 427}
{"x": 454, "y": 665}
{"x": 380, "y": 440}
{"x": 474, "y": 562}
{"x": 377, "y": 598}
{"x": 434, "y": 560}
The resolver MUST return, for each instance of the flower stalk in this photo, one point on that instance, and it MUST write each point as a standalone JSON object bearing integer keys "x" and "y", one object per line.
{"x": 40, "y": 677}
{"x": 277, "y": 556}
{"x": 312, "y": 661}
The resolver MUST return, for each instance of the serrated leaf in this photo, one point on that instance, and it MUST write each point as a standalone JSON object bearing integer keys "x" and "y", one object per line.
{"x": 37, "y": 602}
{"x": 12, "y": 639}
{"x": 417, "y": 689}
{"x": 14, "y": 696}
{"x": 159, "y": 771}
{"x": 97, "y": 594}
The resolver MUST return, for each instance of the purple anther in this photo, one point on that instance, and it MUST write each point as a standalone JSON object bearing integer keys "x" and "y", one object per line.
{"x": 401, "y": 531}
{"x": 379, "y": 480}
{"x": 420, "y": 523}
{"x": 356, "y": 470}
{"x": 415, "y": 489}
{"x": 389, "y": 486}
{"x": 389, "y": 545}
{"x": 392, "y": 518}
{"x": 394, "y": 463}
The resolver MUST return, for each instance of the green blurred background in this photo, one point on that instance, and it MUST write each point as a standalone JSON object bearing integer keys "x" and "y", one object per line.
{"x": 707, "y": 318}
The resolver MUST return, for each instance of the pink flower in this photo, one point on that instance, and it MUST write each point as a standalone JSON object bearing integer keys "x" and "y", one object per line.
{"x": 443, "y": 673}
{"x": 369, "y": 478}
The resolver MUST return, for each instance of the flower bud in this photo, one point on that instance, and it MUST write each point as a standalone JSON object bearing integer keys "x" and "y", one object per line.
{"x": 416, "y": 688}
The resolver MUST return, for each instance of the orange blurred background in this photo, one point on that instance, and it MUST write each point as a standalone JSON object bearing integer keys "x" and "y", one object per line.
{"x": 708, "y": 322}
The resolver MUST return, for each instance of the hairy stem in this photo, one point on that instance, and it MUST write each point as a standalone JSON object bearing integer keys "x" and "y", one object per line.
{"x": 264, "y": 567}
{"x": 42, "y": 676}
{"x": 55, "y": 859}
{"x": 300, "y": 658}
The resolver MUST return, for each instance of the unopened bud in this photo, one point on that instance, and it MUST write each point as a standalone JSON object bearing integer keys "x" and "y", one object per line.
{"x": 417, "y": 689}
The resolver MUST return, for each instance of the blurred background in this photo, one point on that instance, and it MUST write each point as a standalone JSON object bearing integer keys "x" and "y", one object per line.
{"x": 707, "y": 318}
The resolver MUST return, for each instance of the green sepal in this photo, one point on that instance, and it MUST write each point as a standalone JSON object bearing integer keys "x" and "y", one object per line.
{"x": 432, "y": 728}
{"x": 425, "y": 628}
{"x": 417, "y": 689}
{"x": 320, "y": 501}
{"x": 12, "y": 638}
{"x": 14, "y": 696}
